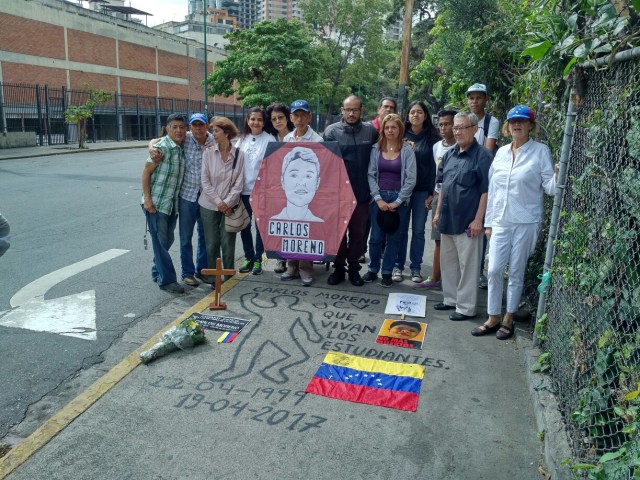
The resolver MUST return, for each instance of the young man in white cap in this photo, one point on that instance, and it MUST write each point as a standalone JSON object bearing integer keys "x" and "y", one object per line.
{"x": 487, "y": 135}
{"x": 301, "y": 117}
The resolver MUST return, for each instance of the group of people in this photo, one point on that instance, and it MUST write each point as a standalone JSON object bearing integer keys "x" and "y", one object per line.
{"x": 398, "y": 170}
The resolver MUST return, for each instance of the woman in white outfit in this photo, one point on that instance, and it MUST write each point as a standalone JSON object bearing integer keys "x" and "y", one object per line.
{"x": 518, "y": 178}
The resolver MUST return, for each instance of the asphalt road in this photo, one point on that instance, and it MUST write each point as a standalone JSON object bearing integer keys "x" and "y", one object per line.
{"x": 63, "y": 210}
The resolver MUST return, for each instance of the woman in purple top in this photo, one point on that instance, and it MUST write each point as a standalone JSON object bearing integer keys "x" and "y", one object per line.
{"x": 392, "y": 176}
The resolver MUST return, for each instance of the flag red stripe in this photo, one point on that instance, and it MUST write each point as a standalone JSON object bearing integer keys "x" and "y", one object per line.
{"x": 362, "y": 394}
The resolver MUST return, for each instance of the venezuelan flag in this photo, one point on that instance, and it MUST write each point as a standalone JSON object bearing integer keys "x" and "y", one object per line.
{"x": 227, "y": 337}
{"x": 365, "y": 380}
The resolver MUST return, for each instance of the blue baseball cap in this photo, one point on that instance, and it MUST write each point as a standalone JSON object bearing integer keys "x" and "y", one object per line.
{"x": 198, "y": 117}
{"x": 477, "y": 88}
{"x": 521, "y": 111}
{"x": 300, "y": 105}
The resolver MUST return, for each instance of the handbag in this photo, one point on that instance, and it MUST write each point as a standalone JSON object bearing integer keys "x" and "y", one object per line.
{"x": 239, "y": 218}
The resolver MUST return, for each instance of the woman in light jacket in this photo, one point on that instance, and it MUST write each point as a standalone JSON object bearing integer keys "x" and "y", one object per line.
{"x": 392, "y": 176}
{"x": 520, "y": 175}
{"x": 221, "y": 189}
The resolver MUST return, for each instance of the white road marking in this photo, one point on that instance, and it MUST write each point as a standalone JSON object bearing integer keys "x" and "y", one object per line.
{"x": 73, "y": 315}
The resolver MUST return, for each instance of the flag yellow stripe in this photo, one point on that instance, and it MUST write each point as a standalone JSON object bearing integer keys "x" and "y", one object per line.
{"x": 372, "y": 365}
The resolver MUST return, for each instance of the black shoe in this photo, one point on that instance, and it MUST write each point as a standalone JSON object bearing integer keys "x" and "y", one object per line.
{"x": 456, "y": 317}
{"x": 172, "y": 288}
{"x": 369, "y": 277}
{"x": 203, "y": 278}
{"x": 386, "y": 281}
{"x": 336, "y": 278}
{"x": 355, "y": 279}
{"x": 443, "y": 306}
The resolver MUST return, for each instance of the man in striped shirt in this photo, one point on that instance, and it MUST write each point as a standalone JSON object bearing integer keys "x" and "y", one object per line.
{"x": 160, "y": 187}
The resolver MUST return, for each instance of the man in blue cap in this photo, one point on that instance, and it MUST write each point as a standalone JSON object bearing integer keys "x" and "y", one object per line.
{"x": 197, "y": 139}
{"x": 301, "y": 117}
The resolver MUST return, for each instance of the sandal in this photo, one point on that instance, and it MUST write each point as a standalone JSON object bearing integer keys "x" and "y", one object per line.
{"x": 505, "y": 332}
{"x": 485, "y": 329}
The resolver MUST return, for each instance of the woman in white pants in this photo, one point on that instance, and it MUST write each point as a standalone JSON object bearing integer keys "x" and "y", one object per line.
{"x": 518, "y": 178}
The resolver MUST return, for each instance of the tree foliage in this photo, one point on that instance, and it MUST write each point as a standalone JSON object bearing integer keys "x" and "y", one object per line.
{"x": 351, "y": 32}
{"x": 273, "y": 61}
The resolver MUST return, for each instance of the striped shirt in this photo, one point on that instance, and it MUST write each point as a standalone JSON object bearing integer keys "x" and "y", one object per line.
{"x": 167, "y": 177}
{"x": 192, "y": 184}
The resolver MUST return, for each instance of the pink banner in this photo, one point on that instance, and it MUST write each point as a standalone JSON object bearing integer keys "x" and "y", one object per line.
{"x": 302, "y": 200}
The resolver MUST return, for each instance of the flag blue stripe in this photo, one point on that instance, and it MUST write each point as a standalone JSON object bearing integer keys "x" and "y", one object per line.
{"x": 369, "y": 379}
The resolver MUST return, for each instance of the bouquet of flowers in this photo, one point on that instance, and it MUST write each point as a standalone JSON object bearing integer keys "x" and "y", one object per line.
{"x": 186, "y": 335}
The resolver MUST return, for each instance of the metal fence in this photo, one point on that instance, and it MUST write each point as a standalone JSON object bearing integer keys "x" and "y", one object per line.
{"x": 591, "y": 329}
{"x": 40, "y": 109}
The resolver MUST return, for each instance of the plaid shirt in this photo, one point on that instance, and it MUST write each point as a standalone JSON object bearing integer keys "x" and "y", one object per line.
{"x": 192, "y": 185}
{"x": 167, "y": 177}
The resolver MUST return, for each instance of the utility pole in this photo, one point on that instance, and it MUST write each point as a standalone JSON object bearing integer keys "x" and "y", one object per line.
{"x": 206, "y": 89}
{"x": 403, "y": 87}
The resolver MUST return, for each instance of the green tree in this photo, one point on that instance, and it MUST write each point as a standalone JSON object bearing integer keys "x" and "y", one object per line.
{"x": 352, "y": 34}
{"x": 79, "y": 114}
{"x": 274, "y": 61}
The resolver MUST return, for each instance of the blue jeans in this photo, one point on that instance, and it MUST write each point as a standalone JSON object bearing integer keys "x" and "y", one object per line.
{"x": 418, "y": 215}
{"x": 255, "y": 255}
{"x": 392, "y": 241}
{"x": 161, "y": 227}
{"x": 188, "y": 217}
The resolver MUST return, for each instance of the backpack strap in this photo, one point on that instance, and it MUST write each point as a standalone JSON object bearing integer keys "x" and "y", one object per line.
{"x": 487, "y": 121}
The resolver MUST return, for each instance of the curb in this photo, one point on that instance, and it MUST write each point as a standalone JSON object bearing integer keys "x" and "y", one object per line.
{"x": 18, "y": 156}
{"x": 547, "y": 412}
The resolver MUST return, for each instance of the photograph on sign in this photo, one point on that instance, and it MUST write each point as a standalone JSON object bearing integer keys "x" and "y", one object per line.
{"x": 302, "y": 200}
{"x": 402, "y": 333}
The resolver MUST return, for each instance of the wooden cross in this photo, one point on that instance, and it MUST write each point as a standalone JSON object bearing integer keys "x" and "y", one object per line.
{"x": 218, "y": 272}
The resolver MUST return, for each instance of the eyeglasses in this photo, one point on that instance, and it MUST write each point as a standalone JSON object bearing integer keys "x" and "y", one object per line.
{"x": 459, "y": 129}
{"x": 350, "y": 110}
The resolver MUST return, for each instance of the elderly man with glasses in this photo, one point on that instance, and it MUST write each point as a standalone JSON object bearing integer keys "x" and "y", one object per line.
{"x": 464, "y": 174}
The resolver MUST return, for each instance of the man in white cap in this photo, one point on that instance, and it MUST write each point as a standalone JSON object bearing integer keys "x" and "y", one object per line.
{"x": 487, "y": 135}
{"x": 488, "y": 125}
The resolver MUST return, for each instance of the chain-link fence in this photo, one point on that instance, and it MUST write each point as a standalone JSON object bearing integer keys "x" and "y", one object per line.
{"x": 591, "y": 329}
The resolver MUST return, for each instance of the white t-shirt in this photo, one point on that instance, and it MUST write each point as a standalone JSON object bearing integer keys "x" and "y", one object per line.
{"x": 494, "y": 129}
{"x": 438, "y": 154}
{"x": 253, "y": 147}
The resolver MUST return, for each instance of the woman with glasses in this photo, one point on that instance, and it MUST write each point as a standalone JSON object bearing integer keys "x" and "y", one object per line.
{"x": 520, "y": 175}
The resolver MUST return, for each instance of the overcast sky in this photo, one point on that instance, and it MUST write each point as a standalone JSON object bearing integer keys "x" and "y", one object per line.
{"x": 162, "y": 10}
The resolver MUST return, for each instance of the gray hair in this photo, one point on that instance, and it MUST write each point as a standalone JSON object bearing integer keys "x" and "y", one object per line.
{"x": 472, "y": 117}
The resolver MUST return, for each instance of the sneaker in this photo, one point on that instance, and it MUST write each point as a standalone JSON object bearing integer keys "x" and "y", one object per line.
{"x": 387, "y": 280}
{"x": 306, "y": 282}
{"x": 396, "y": 275}
{"x": 281, "y": 266}
{"x": 369, "y": 277}
{"x": 482, "y": 282}
{"x": 335, "y": 278}
{"x": 428, "y": 285}
{"x": 172, "y": 288}
{"x": 355, "y": 279}
{"x": 257, "y": 268}
{"x": 286, "y": 276}
{"x": 246, "y": 266}
{"x": 416, "y": 277}
{"x": 191, "y": 281}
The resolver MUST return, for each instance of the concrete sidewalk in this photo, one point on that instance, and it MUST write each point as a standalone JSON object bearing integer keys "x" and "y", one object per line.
{"x": 48, "y": 150}
{"x": 238, "y": 410}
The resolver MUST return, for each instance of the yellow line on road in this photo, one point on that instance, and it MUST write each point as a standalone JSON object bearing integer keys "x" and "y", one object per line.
{"x": 67, "y": 414}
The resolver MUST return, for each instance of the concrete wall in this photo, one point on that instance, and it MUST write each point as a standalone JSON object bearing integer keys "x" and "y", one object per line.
{"x": 17, "y": 139}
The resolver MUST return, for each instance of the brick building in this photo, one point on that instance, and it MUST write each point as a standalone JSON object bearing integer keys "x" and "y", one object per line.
{"x": 63, "y": 46}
